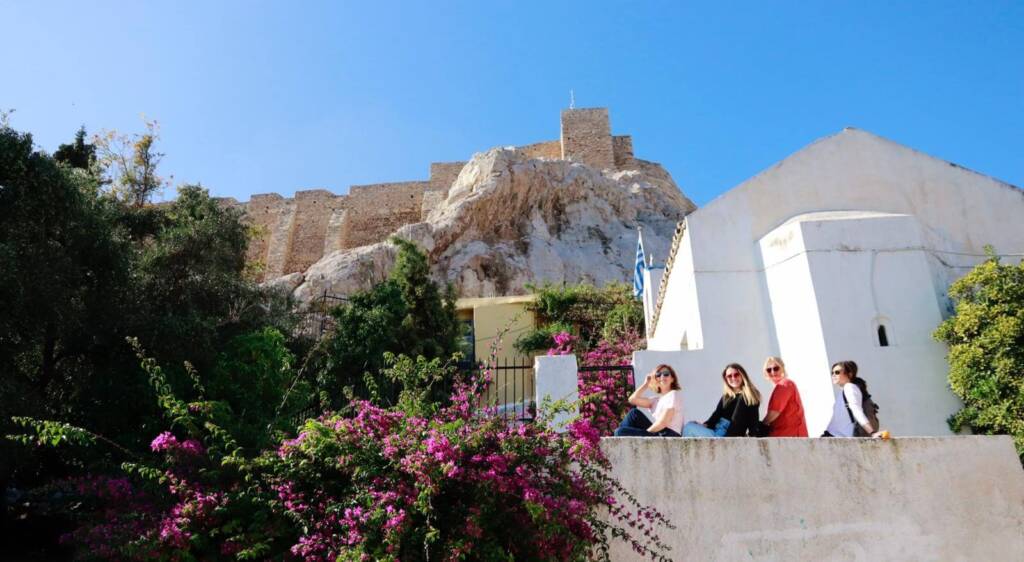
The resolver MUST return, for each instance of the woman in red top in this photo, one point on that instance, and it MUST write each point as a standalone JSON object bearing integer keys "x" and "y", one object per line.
{"x": 785, "y": 410}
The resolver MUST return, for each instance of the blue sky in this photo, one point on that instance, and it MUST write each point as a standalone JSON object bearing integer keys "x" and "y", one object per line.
{"x": 254, "y": 97}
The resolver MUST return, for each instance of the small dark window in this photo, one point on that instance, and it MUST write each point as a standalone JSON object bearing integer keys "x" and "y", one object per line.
{"x": 883, "y": 338}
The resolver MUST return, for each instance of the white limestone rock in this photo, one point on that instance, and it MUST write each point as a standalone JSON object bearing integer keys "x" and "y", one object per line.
{"x": 510, "y": 220}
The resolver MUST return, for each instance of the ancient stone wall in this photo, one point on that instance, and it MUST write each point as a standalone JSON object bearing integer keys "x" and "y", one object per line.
{"x": 444, "y": 174}
{"x": 549, "y": 149}
{"x": 375, "y": 211}
{"x": 587, "y": 137}
{"x": 292, "y": 234}
{"x": 263, "y": 212}
{"x": 622, "y": 146}
{"x": 315, "y": 208}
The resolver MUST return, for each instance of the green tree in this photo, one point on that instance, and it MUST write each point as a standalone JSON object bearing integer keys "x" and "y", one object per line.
{"x": 130, "y": 163}
{"x": 406, "y": 314}
{"x": 81, "y": 270}
{"x": 78, "y": 154}
{"x": 986, "y": 349}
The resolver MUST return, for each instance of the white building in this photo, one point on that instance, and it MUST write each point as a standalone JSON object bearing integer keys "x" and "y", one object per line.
{"x": 844, "y": 250}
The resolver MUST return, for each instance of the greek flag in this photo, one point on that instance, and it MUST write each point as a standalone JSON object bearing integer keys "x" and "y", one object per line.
{"x": 641, "y": 265}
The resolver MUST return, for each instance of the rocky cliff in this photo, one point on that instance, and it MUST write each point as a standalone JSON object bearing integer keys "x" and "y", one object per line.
{"x": 510, "y": 219}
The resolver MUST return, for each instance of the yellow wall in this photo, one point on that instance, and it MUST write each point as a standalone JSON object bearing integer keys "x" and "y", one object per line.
{"x": 508, "y": 318}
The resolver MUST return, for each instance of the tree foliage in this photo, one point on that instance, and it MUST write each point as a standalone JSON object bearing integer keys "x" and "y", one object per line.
{"x": 130, "y": 163}
{"x": 986, "y": 349}
{"x": 408, "y": 313}
{"x": 78, "y": 154}
{"x": 589, "y": 313}
{"x": 80, "y": 270}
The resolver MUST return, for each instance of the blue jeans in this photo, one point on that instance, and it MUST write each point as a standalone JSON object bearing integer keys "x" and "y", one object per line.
{"x": 694, "y": 429}
{"x": 635, "y": 425}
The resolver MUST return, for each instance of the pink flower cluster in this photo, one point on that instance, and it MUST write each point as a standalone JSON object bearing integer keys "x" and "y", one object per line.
{"x": 605, "y": 392}
{"x": 385, "y": 478}
{"x": 166, "y": 441}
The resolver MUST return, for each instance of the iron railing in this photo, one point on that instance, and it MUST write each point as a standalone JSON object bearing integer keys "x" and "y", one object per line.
{"x": 317, "y": 319}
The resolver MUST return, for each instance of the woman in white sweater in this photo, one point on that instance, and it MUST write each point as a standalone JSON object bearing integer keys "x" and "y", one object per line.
{"x": 666, "y": 408}
{"x": 849, "y": 413}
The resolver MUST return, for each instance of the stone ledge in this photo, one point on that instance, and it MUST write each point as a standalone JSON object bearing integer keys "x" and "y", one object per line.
{"x": 913, "y": 498}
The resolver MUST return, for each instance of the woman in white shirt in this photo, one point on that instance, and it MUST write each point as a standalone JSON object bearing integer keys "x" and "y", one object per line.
{"x": 666, "y": 418}
{"x": 849, "y": 404}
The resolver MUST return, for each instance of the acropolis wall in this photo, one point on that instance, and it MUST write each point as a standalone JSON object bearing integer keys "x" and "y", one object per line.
{"x": 294, "y": 233}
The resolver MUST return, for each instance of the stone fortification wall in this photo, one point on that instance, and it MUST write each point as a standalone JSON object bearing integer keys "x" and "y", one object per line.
{"x": 315, "y": 208}
{"x": 265, "y": 211}
{"x": 587, "y": 137}
{"x": 622, "y": 146}
{"x": 375, "y": 211}
{"x": 917, "y": 498}
{"x": 550, "y": 149}
{"x": 295, "y": 233}
{"x": 444, "y": 174}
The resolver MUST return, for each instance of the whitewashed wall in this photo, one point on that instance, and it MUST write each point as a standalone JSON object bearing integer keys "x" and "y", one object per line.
{"x": 719, "y": 294}
{"x": 953, "y": 499}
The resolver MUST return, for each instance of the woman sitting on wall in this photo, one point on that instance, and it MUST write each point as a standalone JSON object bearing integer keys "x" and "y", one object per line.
{"x": 667, "y": 407}
{"x": 736, "y": 413}
{"x": 785, "y": 409}
{"x": 854, "y": 415}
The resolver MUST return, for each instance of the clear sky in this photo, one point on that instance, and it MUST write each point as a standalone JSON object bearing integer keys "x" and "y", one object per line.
{"x": 254, "y": 97}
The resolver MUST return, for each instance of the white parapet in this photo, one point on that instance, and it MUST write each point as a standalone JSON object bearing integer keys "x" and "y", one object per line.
{"x": 557, "y": 379}
{"x": 916, "y": 498}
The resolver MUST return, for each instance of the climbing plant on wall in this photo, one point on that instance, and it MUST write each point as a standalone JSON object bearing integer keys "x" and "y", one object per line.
{"x": 591, "y": 314}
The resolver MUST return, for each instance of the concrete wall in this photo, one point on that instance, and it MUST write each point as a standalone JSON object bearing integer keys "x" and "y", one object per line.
{"x": 954, "y": 499}
{"x": 719, "y": 294}
{"x": 557, "y": 379}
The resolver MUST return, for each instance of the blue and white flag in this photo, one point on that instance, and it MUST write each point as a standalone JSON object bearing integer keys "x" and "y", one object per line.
{"x": 641, "y": 265}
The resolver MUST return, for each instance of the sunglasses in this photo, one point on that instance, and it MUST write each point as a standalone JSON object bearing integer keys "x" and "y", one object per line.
{"x": 733, "y": 376}
{"x": 662, "y": 374}
{"x": 772, "y": 369}
{"x": 837, "y": 372}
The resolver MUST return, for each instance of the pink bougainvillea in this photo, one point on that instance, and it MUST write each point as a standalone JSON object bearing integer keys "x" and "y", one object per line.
{"x": 604, "y": 391}
{"x": 379, "y": 484}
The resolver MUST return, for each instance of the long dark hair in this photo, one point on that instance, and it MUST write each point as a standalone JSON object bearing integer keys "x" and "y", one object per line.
{"x": 851, "y": 370}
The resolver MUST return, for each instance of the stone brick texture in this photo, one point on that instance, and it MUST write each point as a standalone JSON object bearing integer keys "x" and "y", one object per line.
{"x": 587, "y": 138}
{"x": 551, "y": 150}
{"x": 294, "y": 233}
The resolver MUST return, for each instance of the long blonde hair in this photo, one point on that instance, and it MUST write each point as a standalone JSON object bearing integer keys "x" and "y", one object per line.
{"x": 751, "y": 396}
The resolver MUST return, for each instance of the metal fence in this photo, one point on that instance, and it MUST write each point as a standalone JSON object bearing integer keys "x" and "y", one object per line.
{"x": 512, "y": 391}
{"x": 317, "y": 319}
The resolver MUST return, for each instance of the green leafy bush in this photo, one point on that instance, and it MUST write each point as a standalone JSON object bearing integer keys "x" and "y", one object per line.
{"x": 587, "y": 312}
{"x": 986, "y": 349}
{"x": 408, "y": 313}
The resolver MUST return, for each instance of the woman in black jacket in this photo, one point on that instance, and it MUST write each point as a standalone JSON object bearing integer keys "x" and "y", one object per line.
{"x": 737, "y": 411}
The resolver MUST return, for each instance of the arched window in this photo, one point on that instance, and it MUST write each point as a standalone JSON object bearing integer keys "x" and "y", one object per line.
{"x": 883, "y": 332}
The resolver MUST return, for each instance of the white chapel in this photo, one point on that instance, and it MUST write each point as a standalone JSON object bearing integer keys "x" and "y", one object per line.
{"x": 844, "y": 250}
